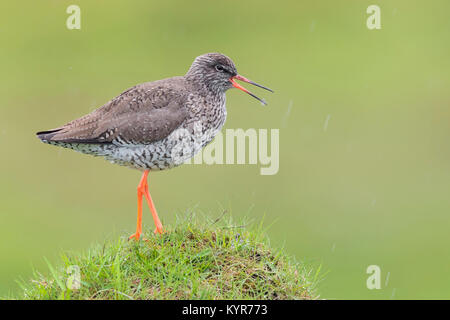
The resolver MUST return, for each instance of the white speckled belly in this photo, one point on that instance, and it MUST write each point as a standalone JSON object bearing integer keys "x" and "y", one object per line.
{"x": 179, "y": 146}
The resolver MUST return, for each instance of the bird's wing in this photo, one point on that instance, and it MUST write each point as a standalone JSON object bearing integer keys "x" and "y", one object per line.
{"x": 143, "y": 114}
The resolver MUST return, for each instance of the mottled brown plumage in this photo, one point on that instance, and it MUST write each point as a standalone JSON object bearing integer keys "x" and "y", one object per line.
{"x": 145, "y": 113}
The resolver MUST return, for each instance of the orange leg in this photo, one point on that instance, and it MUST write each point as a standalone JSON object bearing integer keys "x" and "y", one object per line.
{"x": 142, "y": 190}
{"x": 151, "y": 205}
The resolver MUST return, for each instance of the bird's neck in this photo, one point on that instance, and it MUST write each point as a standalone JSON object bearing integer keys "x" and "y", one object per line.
{"x": 205, "y": 86}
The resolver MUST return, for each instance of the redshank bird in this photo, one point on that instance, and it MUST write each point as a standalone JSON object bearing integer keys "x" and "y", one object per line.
{"x": 156, "y": 125}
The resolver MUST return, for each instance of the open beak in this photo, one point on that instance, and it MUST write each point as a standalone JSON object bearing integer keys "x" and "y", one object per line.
{"x": 238, "y": 86}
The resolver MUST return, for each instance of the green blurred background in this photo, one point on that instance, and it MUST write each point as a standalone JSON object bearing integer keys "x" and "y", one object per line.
{"x": 371, "y": 187}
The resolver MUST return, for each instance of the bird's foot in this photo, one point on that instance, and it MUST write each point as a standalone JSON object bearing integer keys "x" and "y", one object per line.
{"x": 135, "y": 236}
{"x": 159, "y": 230}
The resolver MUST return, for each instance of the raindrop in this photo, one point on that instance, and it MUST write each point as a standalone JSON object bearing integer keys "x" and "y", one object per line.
{"x": 325, "y": 125}
{"x": 288, "y": 112}
{"x": 387, "y": 279}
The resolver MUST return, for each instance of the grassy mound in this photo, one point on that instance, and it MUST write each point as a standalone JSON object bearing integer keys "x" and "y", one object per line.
{"x": 190, "y": 261}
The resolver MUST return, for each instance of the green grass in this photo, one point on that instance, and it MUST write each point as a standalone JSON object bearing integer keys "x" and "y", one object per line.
{"x": 192, "y": 260}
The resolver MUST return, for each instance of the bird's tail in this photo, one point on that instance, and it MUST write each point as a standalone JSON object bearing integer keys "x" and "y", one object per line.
{"x": 46, "y": 136}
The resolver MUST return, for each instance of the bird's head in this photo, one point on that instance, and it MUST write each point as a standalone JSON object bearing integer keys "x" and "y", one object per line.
{"x": 218, "y": 73}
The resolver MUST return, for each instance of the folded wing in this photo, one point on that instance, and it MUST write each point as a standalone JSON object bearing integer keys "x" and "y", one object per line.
{"x": 143, "y": 114}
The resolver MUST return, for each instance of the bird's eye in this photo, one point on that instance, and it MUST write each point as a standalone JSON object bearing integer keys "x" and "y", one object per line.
{"x": 220, "y": 68}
